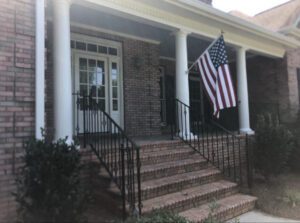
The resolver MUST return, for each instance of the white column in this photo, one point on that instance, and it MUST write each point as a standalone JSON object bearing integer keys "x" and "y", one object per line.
{"x": 242, "y": 88}
{"x": 62, "y": 70}
{"x": 39, "y": 68}
{"x": 182, "y": 80}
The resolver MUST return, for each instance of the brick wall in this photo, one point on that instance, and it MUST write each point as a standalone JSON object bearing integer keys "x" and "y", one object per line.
{"x": 140, "y": 85}
{"x": 273, "y": 85}
{"x": 16, "y": 92}
{"x": 290, "y": 66}
{"x": 262, "y": 86}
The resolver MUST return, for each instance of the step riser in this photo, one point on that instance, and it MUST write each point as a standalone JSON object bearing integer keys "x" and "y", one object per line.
{"x": 160, "y": 158}
{"x": 196, "y": 200}
{"x": 155, "y": 148}
{"x": 166, "y": 172}
{"x": 178, "y": 186}
{"x": 166, "y": 158}
{"x": 233, "y": 213}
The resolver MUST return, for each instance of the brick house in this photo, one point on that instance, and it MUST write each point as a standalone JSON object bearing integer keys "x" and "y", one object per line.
{"x": 130, "y": 55}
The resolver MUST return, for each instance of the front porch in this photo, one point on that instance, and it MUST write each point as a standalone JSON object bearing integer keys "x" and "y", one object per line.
{"x": 131, "y": 74}
{"x": 119, "y": 79}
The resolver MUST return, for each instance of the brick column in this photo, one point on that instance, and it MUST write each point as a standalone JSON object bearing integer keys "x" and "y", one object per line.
{"x": 62, "y": 70}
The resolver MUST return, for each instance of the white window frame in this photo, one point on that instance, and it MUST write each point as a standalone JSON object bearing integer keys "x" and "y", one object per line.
{"x": 119, "y": 57}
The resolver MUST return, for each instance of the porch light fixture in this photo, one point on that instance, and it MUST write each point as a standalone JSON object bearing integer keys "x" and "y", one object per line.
{"x": 138, "y": 62}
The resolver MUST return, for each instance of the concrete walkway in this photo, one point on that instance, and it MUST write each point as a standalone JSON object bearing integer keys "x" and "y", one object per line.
{"x": 260, "y": 217}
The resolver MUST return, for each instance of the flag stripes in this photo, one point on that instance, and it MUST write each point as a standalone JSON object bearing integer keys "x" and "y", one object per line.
{"x": 216, "y": 78}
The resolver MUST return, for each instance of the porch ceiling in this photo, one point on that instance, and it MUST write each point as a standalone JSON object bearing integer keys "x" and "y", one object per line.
{"x": 197, "y": 18}
{"x": 90, "y": 18}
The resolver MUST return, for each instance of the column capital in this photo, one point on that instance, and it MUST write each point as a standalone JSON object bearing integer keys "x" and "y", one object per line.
{"x": 69, "y": 2}
{"x": 182, "y": 32}
{"x": 241, "y": 49}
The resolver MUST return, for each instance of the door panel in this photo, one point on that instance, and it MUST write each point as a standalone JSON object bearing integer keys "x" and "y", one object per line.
{"x": 98, "y": 77}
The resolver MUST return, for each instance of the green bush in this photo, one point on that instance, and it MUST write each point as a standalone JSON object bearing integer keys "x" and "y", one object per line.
{"x": 48, "y": 186}
{"x": 294, "y": 161}
{"x": 273, "y": 145}
{"x": 159, "y": 217}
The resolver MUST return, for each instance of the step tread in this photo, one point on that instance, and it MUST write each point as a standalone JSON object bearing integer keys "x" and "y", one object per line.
{"x": 169, "y": 199}
{"x": 202, "y": 212}
{"x": 176, "y": 163}
{"x": 156, "y": 183}
{"x": 160, "y": 143}
{"x": 145, "y": 153}
{"x": 152, "y": 154}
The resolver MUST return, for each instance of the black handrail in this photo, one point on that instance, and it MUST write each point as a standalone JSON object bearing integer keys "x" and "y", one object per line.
{"x": 119, "y": 154}
{"x": 216, "y": 144}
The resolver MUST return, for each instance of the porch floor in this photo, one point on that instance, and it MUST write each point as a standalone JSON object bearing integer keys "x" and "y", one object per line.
{"x": 145, "y": 140}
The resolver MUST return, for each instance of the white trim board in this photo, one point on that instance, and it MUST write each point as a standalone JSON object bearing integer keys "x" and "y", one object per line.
{"x": 108, "y": 31}
{"x": 201, "y": 20}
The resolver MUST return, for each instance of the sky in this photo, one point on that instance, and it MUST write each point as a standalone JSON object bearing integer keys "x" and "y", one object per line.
{"x": 248, "y": 7}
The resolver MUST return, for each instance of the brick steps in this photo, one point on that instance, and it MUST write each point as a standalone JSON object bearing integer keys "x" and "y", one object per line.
{"x": 162, "y": 186}
{"x": 160, "y": 170}
{"x": 190, "y": 198}
{"x": 163, "y": 146}
{"x": 150, "y": 172}
{"x": 226, "y": 208}
{"x": 155, "y": 157}
{"x": 148, "y": 158}
{"x": 176, "y": 178}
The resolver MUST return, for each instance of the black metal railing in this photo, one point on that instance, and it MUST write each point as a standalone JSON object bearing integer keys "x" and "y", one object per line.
{"x": 116, "y": 151}
{"x": 228, "y": 151}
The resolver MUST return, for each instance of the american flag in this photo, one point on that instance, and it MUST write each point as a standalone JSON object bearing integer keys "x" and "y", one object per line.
{"x": 215, "y": 74}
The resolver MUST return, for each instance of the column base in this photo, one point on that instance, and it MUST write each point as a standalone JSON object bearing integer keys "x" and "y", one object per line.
{"x": 247, "y": 131}
{"x": 187, "y": 136}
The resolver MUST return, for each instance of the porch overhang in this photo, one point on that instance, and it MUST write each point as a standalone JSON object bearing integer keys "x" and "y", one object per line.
{"x": 199, "y": 19}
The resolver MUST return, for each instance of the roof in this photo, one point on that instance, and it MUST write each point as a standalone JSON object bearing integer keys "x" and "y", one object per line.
{"x": 280, "y": 16}
{"x": 198, "y": 19}
{"x": 240, "y": 15}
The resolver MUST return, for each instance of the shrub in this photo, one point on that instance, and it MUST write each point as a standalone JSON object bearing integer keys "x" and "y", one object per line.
{"x": 294, "y": 161}
{"x": 48, "y": 186}
{"x": 273, "y": 144}
{"x": 159, "y": 217}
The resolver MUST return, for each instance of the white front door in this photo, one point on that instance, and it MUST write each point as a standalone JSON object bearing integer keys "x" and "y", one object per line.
{"x": 99, "y": 77}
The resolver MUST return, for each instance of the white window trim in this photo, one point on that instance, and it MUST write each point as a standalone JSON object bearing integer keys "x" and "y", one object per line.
{"x": 119, "y": 57}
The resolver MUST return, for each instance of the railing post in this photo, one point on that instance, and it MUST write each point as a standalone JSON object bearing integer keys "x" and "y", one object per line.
{"x": 139, "y": 180}
{"x": 249, "y": 162}
{"x": 77, "y": 114}
{"x": 123, "y": 181}
{"x": 84, "y": 119}
{"x": 171, "y": 108}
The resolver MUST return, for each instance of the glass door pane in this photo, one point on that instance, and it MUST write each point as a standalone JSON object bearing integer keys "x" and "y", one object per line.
{"x": 115, "y": 86}
{"x": 91, "y": 81}
{"x": 114, "y": 75}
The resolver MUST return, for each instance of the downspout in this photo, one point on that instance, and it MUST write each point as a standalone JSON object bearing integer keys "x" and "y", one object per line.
{"x": 39, "y": 68}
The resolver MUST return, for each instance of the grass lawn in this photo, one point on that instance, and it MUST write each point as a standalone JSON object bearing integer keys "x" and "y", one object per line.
{"x": 280, "y": 196}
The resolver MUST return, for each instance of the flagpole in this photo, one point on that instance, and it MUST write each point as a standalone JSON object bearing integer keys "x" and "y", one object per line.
{"x": 204, "y": 52}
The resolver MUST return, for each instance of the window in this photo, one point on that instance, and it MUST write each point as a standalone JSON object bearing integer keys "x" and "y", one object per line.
{"x": 95, "y": 48}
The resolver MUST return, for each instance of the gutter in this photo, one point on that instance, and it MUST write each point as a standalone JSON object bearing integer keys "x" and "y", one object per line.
{"x": 214, "y": 14}
{"x": 39, "y": 68}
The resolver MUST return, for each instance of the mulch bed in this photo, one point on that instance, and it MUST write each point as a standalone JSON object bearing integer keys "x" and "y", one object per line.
{"x": 280, "y": 196}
